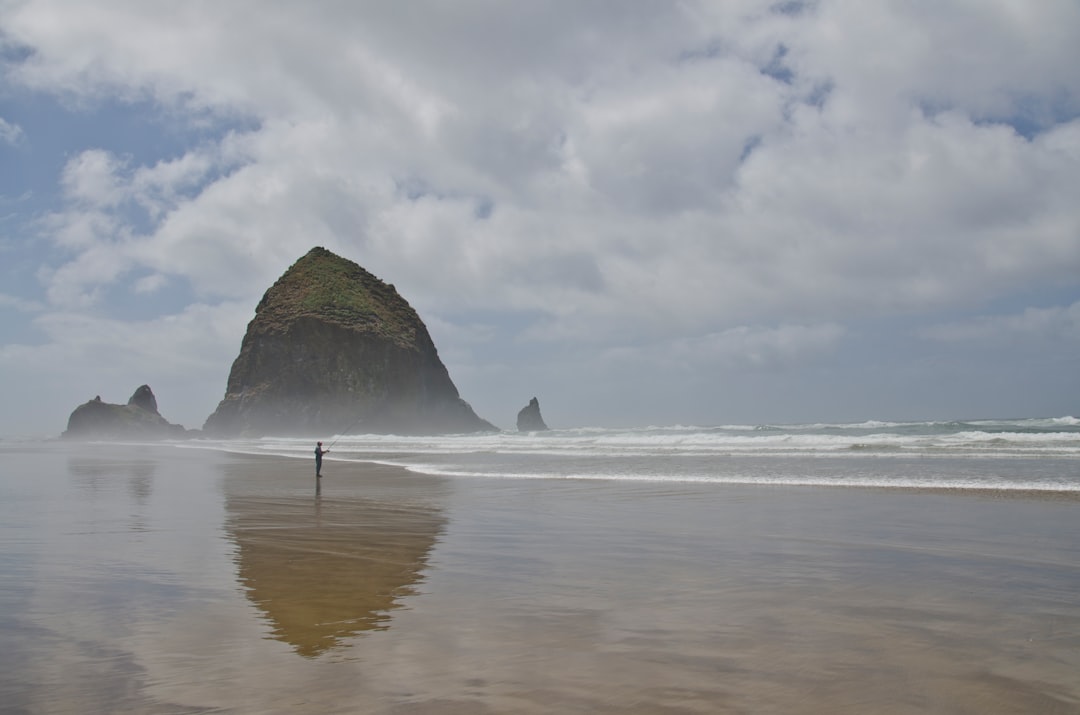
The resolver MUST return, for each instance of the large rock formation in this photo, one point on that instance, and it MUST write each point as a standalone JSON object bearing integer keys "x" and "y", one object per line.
{"x": 138, "y": 419}
{"x": 333, "y": 349}
{"x": 529, "y": 419}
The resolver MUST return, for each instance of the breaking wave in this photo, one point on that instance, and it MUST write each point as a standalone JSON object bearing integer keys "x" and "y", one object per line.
{"x": 1032, "y": 454}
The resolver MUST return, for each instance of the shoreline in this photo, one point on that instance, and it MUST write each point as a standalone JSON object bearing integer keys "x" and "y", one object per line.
{"x": 1048, "y": 493}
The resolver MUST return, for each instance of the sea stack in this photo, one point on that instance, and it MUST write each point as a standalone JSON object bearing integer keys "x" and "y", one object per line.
{"x": 529, "y": 419}
{"x": 333, "y": 349}
{"x": 139, "y": 419}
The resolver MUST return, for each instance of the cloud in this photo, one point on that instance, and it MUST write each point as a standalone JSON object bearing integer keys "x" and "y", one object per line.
{"x": 91, "y": 178}
{"x": 1056, "y": 324}
{"x": 10, "y": 133}
{"x": 697, "y": 177}
{"x": 742, "y": 347}
{"x": 679, "y": 182}
{"x": 995, "y": 60}
{"x": 20, "y": 304}
{"x": 113, "y": 211}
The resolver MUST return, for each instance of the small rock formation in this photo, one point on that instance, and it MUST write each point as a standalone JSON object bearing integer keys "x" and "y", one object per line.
{"x": 333, "y": 349}
{"x": 144, "y": 398}
{"x": 138, "y": 419}
{"x": 529, "y": 419}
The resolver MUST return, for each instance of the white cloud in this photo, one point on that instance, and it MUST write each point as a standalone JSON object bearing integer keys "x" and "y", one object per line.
{"x": 20, "y": 304}
{"x": 626, "y": 163}
{"x": 581, "y": 175}
{"x": 112, "y": 212}
{"x": 742, "y": 347}
{"x": 10, "y": 133}
{"x": 990, "y": 59}
{"x": 1057, "y": 324}
{"x": 92, "y": 178}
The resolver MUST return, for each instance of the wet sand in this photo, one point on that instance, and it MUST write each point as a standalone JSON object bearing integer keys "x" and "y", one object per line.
{"x": 168, "y": 580}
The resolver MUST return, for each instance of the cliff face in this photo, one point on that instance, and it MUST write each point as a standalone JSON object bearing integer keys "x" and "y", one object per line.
{"x": 333, "y": 349}
{"x": 138, "y": 419}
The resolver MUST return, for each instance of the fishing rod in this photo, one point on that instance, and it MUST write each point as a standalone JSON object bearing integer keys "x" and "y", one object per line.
{"x": 342, "y": 433}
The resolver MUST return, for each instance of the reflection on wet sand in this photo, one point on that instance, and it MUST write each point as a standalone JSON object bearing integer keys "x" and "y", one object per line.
{"x": 92, "y": 473}
{"x": 323, "y": 570}
{"x": 95, "y": 475}
{"x": 244, "y": 593}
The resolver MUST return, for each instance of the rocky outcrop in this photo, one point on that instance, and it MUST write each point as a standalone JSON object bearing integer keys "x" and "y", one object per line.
{"x": 144, "y": 398}
{"x": 529, "y": 419}
{"x": 333, "y": 349}
{"x": 137, "y": 420}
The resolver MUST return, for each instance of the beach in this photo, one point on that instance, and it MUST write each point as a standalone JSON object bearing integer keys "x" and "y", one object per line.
{"x": 177, "y": 579}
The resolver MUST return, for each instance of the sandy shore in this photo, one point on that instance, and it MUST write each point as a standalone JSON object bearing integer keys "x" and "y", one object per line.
{"x": 169, "y": 580}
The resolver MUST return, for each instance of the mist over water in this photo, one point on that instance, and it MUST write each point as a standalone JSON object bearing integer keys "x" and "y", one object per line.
{"x": 999, "y": 454}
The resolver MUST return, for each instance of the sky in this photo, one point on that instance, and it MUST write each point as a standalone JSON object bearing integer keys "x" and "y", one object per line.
{"x": 641, "y": 212}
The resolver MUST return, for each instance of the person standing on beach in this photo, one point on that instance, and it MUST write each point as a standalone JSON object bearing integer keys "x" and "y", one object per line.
{"x": 319, "y": 452}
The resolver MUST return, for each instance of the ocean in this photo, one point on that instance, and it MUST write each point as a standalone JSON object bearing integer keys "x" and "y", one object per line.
{"x": 1036, "y": 454}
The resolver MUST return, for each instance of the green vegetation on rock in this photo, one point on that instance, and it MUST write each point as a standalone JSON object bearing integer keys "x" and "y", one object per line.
{"x": 324, "y": 285}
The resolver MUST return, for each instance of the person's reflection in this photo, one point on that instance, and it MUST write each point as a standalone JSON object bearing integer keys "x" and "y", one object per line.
{"x": 324, "y": 570}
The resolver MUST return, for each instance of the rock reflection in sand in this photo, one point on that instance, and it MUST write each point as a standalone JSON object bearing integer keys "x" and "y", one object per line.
{"x": 95, "y": 473}
{"x": 323, "y": 570}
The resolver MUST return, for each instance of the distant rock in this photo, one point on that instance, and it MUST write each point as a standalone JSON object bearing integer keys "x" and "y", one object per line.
{"x": 529, "y": 419}
{"x": 144, "y": 398}
{"x": 138, "y": 420}
{"x": 333, "y": 349}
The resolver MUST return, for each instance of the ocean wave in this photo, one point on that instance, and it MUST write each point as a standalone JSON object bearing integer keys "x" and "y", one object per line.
{"x": 962, "y": 437}
{"x": 885, "y": 481}
{"x": 997, "y": 454}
